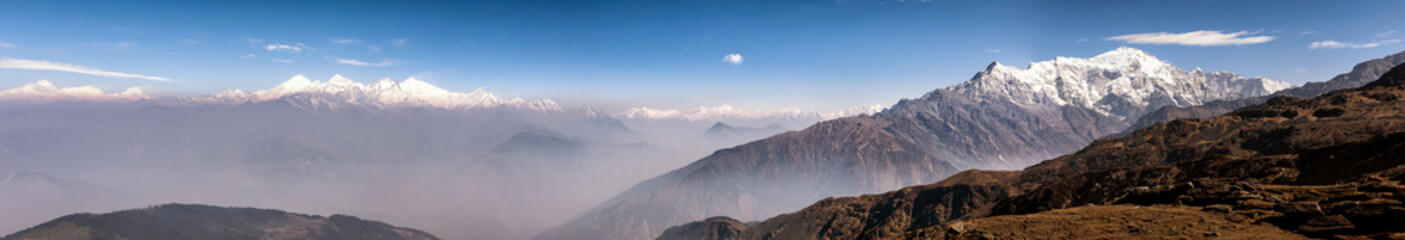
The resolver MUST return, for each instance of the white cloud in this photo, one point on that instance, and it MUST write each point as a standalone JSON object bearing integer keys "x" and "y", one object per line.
{"x": 995, "y": 50}
{"x": 280, "y": 60}
{"x": 1307, "y": 32}
{"x": 711, "y": 114}
{"x": 734, "y": 59}
{"x": 854, "y": 111}
{"x": 45, "y": 92}
{"x": 373, "y": 48}
{"x": 115, "y": 46}
{"x": 399, "y": 43}
{"x": 247, "y": 56}
{"x": 354, "y": 62}
{"x": 345, "y": 41}
{"x": 1386, "y": 34}
{"x": 1196, "y": 38}
{"x": 286, "y": 48}
{"x": 1329, "y": 44}
{"x": 26, "y": 64}
{"x": 8, "y": 45}
{"x": 1081, "y": 40}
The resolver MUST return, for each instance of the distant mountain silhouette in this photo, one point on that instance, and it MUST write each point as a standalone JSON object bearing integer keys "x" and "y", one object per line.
{"x": 181, "y": 221}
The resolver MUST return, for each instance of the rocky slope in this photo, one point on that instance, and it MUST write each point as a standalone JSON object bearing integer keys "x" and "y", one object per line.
{"x": 1360, "y": 74}
{"x": 1004, "y": 117}
{"x": 1326, "y": 166}
{"x": 711, "y": 228}
{"x": 1109, "y": 222}
{"x": 179, "y": 221}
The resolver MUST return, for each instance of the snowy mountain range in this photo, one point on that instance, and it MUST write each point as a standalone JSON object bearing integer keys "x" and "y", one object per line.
{"x": 321, "y": 146}
{"x": 1120, "y": 83}
{"x": 340, "y": 92}
{"x": 1002, "y": 118}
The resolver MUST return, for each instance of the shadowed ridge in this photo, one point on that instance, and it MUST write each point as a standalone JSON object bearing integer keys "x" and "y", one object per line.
{"x": 187, "y": 221}
{"x": 1320, "y": 167}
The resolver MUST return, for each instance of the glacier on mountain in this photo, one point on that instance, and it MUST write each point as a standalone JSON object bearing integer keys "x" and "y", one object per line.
{"x": 1122, "y": 83}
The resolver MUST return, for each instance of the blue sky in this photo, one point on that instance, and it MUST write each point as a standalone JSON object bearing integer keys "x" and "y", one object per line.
{"x": 817, "y": 55}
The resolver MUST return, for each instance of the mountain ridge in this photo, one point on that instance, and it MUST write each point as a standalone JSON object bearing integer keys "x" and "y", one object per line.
{"x": 1360, "y": 74}
{"x": 1328, "y": 166}
{"x": 182, "y": 221}
{"x": 982, "y": 123}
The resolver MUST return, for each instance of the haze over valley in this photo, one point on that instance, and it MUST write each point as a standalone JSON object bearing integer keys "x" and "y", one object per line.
{"x": 701, "y": 120}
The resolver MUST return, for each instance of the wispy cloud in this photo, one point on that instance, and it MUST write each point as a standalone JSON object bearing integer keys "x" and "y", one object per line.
{"x": 280, "y": 60}
{"x": 354, "y": 62}
{"x": 373, "y": 48}
{"x": 286, "y": 48}
{"x": 1196, "y": 38}
{"x": 1081, "y": 40}
{"x": 115, "y": 46}
{"x": 1307, "y": 32}
{"x": 11, "y": 63}
{"x": 8, "y": 45}
{"x": 995, "y": 50}
{"x": 734, "y": 59}
{"x": 345, "y": 41}
{"x": 399, "y": 43}
{"x": 247, "y": 56}
{"x": 1385, "y": 34}
{"x": 1330, "y": 44}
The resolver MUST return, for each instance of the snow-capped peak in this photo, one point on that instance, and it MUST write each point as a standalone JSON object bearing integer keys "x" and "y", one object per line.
{"x": 43, "y": 91}
{"x": 339, "y": 80}
{"x": 1123, "y": 82}
{"x": 1126, "y": 54}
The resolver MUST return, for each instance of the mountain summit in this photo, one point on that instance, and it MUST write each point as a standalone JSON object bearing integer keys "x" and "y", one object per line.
{"x": 1123, "y": 83}
{"x": 1289, "y": 168}
{"x": 1006, "y": 118}
{"x": 1002, "y": 118}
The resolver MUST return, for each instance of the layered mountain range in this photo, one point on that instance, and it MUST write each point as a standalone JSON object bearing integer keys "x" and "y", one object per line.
{"x": 30, "y": 197}
{"x": 1290, "y": 168}
{"x": 341, "y": 146}
{"x": 1002, "y": 118}
{"x": 311, "y": 146}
